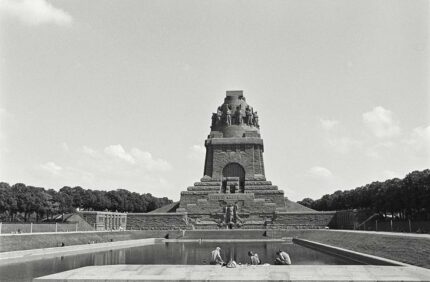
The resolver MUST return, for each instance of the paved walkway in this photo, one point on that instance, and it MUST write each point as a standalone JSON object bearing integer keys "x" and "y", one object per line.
{"x": 301, "y": 273}
{"x": 27, "y": 255}
{"x": 401, "y": 234}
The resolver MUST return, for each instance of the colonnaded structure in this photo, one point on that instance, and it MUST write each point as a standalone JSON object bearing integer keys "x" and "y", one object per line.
{"x": 233, "y": 192}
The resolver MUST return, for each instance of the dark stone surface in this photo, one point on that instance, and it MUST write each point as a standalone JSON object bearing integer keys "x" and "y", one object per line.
{"x": 157, "y": 221}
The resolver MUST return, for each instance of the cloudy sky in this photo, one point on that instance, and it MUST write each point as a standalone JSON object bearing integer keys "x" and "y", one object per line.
{"x": 119, "y": 94}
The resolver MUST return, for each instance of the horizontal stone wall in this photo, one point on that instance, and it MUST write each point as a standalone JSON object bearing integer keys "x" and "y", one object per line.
{"x": 19, "y": 242}
{"x": 188, "y": 197}
{"x": 19, "y": 228}
{"x": 274, "y": 196}
{"x": 407, "y": 248}
{"x": 181, "y": 221}
{"x": 302, "y": 220}
{"x": 157, "y": 221}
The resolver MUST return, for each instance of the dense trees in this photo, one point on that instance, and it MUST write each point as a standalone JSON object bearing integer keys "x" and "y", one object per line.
{"x": 22, "y": 201}
{"x": 407, "y": 198}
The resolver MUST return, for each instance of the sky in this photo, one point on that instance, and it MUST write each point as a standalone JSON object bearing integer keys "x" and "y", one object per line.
{"x": 119, "y": 94}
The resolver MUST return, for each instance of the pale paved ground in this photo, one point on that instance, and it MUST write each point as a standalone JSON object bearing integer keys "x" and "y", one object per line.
{"x": 244, "y": 273}
{"x": 26, "y": 255}
{"x": 404, "y": 234}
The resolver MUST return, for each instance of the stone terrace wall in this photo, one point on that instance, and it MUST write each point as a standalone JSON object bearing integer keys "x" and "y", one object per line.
{"x": 19, "y": 242}
{"x": 275, "y": 196}
{"x": 8, "y": 228}
{"x": 407, "y": 248}
{"x": 157, "y": 221}
{"x": 302, "y": 220}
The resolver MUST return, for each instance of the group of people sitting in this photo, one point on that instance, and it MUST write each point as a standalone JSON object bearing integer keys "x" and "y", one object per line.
{"x": 282, "y": 258}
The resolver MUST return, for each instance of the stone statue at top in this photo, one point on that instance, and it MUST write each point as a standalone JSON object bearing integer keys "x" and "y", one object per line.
{"x": 235, "y": 118}
{"x": 214, "y": 120}
{"x": 228, "y": 115}
{"x": 256, "y": 120}
{"x": 238, "y": 115}
{"x": 248, "y": 113}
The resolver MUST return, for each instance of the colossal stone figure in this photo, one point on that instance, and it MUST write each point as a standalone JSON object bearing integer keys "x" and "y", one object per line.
{"x": 219, "y": 115}
{"x": 256, "y": 120}
{"x": 228, "y": 116}
{"x": 248, "y": 113}
{"x": 238, "y": 114}
{"x": 214, "y": 120}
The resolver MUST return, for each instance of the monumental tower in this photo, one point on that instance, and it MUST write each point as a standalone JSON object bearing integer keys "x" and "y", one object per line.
{"x": 233, "y": 192}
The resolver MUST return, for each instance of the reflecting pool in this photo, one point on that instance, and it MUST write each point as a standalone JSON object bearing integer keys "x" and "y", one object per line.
{"x": 168, "y": 253}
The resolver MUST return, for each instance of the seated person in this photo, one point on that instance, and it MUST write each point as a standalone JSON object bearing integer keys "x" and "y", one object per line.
{"x": 282, "y": 258}
{"x": 216, "y": 257}
{"x": 254, "y": 258}
{"x": 258, "y": 259}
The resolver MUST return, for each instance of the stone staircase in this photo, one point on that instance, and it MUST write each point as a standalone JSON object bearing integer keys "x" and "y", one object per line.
{"x": 225, "y": 234}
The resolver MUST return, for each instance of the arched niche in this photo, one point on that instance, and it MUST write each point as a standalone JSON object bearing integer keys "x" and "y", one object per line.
{"x": 234, "y": 170}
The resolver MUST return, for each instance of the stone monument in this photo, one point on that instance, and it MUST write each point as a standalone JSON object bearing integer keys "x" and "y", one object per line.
{"x": 233, "y": 192}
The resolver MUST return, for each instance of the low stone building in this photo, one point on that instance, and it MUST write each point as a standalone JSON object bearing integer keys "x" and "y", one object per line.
{"x": 102, "y": 221}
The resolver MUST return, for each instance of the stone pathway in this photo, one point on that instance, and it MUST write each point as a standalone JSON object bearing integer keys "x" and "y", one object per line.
{"x": 34, "y": 254}
{"x": 302, "y": 273}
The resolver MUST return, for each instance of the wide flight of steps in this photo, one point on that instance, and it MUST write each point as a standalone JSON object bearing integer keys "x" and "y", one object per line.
{"x": 225, "y": 234}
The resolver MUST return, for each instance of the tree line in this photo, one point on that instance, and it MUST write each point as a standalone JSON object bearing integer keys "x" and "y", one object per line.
{"x": 20, "y": 202}
{"x": 407, "y": 198}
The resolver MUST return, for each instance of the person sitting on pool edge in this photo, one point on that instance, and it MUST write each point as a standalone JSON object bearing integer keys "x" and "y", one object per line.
{"x": 216, "y": 257}
{"x": 282, "y": 258}
{"x": 254, "y": 258}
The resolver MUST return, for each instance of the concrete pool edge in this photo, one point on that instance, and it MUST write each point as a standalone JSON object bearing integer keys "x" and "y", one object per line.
{"x": 34, "y": 254}
{"x": 349, "y": 254}
{"x": 244, "y": 273}
{"x": 288, "y": 240}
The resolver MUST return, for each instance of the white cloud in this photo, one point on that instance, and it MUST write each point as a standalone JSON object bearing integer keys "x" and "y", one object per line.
{"x": 149, "y": 162}
{"x": 89, "y": 151}
{"x": 343, "y": 144}
{"x": 35, "y": 12}
{"x": 197, "y": 152}
{"x": 328, "y": 124}
{"x": 117, "y": 151}
{"x": 379, "y": 149}
{"x": 112, "y": 167}
{"x": 419, "y": 140}
{"x": 380, "y": 122}
{"x": 51, "y": 167}
{"x": 321, "y": 172}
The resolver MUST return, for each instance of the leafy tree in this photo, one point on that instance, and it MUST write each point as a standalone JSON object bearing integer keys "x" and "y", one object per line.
{"x": 39, "y": 203}
{"x": 407, "y": 198}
